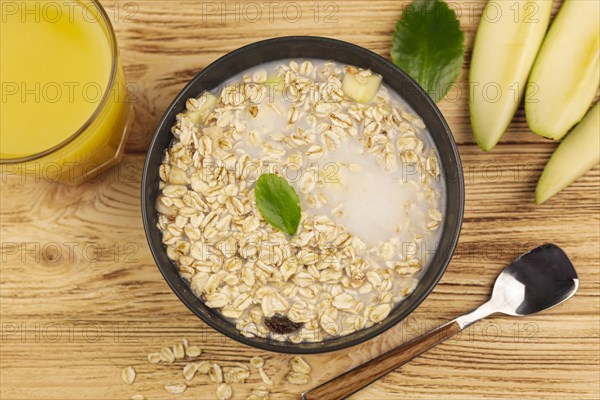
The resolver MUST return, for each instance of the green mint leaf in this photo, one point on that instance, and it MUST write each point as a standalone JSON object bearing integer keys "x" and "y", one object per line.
{"x": 429, "y": 45}
{"x": 278, "y": 202}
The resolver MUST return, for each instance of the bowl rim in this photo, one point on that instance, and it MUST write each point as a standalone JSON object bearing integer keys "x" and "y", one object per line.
{"x": 321, "y": 346}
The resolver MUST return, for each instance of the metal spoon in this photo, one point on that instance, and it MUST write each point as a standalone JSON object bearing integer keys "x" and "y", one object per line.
{"x": 534, "y": 282}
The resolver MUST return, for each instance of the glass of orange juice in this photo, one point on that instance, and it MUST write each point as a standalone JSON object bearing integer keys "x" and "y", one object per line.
{"x": 64, "y": 110}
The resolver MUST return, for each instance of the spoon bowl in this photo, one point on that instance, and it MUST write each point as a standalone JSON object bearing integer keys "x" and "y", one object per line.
{"x": 534, "y": 282}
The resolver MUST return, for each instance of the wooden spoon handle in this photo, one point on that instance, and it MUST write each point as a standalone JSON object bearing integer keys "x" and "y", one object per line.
{"x": 359, "y": 377}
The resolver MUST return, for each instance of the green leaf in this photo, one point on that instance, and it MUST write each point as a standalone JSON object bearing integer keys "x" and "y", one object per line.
{"x": 429, "y": 45}
{"x": 278, "y": 202}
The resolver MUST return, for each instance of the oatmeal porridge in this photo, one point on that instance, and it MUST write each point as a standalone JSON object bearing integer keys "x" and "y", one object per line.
{"x": 369, "y": 192}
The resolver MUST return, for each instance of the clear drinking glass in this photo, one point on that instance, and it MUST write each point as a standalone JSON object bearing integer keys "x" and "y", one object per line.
{"x": 64, "y": 104}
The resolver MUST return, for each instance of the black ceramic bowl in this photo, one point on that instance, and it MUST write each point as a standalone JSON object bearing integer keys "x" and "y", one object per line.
{"x": 312, "y": 48}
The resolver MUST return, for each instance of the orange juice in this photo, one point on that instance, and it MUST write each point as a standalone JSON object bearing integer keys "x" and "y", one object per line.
{"x": 63, "y": 99}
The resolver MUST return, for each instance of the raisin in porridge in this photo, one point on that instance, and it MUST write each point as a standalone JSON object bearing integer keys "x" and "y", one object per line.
{"x": 369, "y": 187}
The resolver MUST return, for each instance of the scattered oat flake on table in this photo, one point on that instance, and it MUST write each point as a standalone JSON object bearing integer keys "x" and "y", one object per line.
{"x": 138, "y": 397}
{"x": 257, "y": 362}
{"x": 154, "y": 358}
{"x": 297, "y": 378}
{"x": 236, "y": 375}
{"x": 189, "y": 370}
{"x": 215, "y": 373}
{"x": 203, "y": 367}
{"x": 299, "y": 365}
{"x": 193, "y": 351}
{"x": 167, "y": 355}
{"x": 224, "y": 391}
{"x": 128, "y": 375}
{"x": 178, "y": 351}
{"x": 265, "y": 378}
{"x": 176, "y": 388}
{"x": 259, "y": 393}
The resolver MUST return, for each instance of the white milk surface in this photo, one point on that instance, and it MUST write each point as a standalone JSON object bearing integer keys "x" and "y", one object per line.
{"x": 376, "y": 205}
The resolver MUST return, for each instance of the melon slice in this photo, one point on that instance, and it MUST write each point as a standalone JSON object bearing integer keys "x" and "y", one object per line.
{"x": 275, "y": 83}
{"x": 575, "y": 155}
{"x": 361, "y": 88}
{"x": 206, "y": 100}
{"x": 506, "y": 45}
{"x": 566, "y": 74}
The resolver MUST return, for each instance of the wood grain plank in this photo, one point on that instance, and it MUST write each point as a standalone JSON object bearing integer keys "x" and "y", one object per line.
{"x": 112, "y": 308}
{"x": 81, "y": 297}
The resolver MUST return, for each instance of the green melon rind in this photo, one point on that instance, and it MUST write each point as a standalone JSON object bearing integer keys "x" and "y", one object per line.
{"x": 505, "y": 48}
{"x": 575, "y": 155}
{"x": 565, "y": 77}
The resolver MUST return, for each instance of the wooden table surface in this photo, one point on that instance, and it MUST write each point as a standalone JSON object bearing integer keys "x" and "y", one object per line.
{"x": 81, "y": 296}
